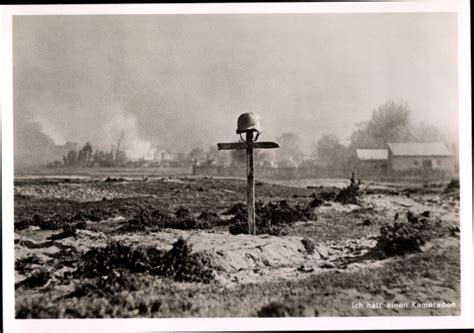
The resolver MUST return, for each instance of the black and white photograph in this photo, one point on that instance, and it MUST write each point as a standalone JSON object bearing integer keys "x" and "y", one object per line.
{"x": 237, "y": 165}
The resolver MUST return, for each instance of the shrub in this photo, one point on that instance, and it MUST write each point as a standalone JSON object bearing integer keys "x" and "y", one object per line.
{"x": 453, "y": 186}
{"x": 182, "y": 265}
{"x": 407, "y": 237}
{"x": 348, "y": 195}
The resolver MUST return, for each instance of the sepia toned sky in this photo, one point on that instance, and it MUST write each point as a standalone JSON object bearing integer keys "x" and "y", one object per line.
{"x": 176, "y": 81}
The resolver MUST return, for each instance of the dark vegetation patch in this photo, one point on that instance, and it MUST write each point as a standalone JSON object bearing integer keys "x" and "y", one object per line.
{"x": 453, "y": 186}
{"x": 349, "y": 194}
{"x": 321, "y": 198}
{"x": 55, "y": 221}
{"x": 94, "y": 214}
{"x": 52, "y": 222}
{"x": 408, "y": 236}
{"x": 270, "y": 217}
{"x": 181, "y": 219}
{"x": 38, "y": 278}
{"x": 114, "y": 281}
{"x": 278, "y": 309}
{"x": 179, "y": 263}
{"x": 380, "y": 191}
{"x": 54, "y": 213}
{"x": 316, "y": 202}
{"x": 26, "y": 264}
{"x": 114, "y": 180}
{"x": 327, "y": 195}
{"x": 69, "y": 230}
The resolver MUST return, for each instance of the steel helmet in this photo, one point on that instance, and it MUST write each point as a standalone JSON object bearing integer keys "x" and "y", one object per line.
{"x": 248, "y": 122}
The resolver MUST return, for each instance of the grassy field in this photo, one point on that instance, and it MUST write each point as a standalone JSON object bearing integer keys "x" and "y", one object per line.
{"x": 95, "y": 248}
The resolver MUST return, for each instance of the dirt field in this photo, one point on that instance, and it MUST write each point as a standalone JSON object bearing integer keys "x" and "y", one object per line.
{"x": 142, "y": 246}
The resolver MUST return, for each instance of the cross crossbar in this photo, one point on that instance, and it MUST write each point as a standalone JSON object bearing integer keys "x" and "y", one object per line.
{"x": 247, "y": 145}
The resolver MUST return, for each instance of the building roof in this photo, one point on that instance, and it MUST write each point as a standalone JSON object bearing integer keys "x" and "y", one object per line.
{"x": 372, "y": 154}
{"x": 419, "y": 149}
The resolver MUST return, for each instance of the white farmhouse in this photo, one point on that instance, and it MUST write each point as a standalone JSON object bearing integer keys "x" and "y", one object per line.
{"x": 420, "y": 156}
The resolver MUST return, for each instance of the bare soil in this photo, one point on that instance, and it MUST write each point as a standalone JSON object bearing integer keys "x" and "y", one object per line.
{"x": 318, "y": 266}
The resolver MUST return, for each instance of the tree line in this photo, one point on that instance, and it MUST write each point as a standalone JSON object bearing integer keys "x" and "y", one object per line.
{"x": 390, "y": 122}
{"x": 87, "y": 157}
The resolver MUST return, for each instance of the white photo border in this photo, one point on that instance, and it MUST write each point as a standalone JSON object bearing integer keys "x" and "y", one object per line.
{"x": 461, "y": 7}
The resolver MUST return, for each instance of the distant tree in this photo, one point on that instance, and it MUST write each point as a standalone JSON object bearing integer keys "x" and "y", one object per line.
{"x": 427, "y": 133}
{"x": 329, "y": 148}
{"x": 389, "y": 122}
{"x": 84, "y": 156}
{"x": 119, "y": 150}
{"x": 334, "y": 155}
{"x": 70, "y": 159}
{"x": 289, "y": 154}
{"x": 120, "y": 158}
{"x": 103, "y": 159}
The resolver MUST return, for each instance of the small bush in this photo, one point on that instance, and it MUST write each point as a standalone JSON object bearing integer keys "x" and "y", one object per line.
{"x": 453, "y": 186}
{"x": 182, "y": 213}
{"x": 407, "y": 237}
{"x": 316, "y": 202}
{"x": 350, "y": 193}
{"x": 182, "y": 265}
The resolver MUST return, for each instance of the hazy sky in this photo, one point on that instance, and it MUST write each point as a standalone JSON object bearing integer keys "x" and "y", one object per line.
{"x": 175, "y": 81}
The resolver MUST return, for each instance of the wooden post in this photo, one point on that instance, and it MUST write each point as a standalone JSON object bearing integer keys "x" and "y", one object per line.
{"x": 250, "y": 185}
{"x": 249, "y": 145}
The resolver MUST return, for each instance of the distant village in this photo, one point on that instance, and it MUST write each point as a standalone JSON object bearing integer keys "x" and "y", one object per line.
{"x": 388, "y": 145}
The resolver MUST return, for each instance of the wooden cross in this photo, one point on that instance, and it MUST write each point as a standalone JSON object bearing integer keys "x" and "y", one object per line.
{"x": 249, "y": 144}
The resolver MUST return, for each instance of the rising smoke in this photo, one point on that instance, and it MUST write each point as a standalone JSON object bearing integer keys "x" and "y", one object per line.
{"x": 179, "y": 80}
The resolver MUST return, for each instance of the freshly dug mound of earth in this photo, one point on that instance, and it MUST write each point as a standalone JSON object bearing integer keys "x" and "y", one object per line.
{"x": 227, "y": 254}
{"x": 230, "y": 253}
